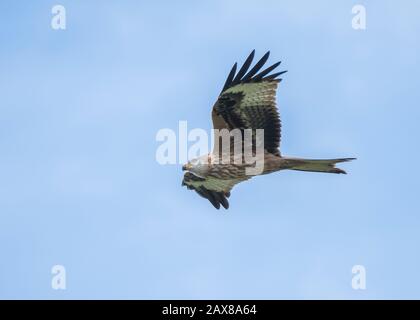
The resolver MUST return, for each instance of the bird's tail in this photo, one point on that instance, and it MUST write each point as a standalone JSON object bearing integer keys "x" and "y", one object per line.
{"x": 318, "y": 165}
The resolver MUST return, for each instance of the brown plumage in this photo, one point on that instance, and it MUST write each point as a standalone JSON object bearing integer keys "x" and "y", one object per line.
{"x": 247, "y": 101}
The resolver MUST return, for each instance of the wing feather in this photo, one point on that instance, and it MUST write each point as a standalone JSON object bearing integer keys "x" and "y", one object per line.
{"x": 257, "y": 67}
{"x": 230, "y": 77}
{"x": 244, "y": 68}
{"x": 261, "y": 75}
{"x": 213, "y": 189}
{"x": 249, "y": 102}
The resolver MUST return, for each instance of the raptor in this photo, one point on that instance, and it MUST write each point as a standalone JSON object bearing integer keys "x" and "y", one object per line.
{"x": 247, "y": 102}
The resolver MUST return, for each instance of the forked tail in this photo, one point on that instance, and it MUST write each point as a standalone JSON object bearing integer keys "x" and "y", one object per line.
{"x": 318, "y": 165}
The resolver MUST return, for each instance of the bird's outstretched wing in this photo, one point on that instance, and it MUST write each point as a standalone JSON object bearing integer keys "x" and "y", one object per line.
{"x": 248, "y": 101}
{"x": 215, "y": 190}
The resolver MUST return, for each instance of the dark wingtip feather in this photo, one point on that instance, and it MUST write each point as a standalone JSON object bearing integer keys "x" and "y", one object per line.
{"x": 274, "y": 75}
{"x": 230, "y": 77}
{"x": 244, "y": 68}
{"x": 263, "y": 73}
{"x": 224, "y": 201}
{"x": 226, "y": 205}
{"x": 215, "y": 203}
{"x": 245, "y": 76}
{"x": 257, "y": 67}
{"x": 210, "y": 196}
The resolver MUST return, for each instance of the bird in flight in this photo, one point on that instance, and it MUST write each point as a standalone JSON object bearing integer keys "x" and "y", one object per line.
{"x": 247, "y": 101}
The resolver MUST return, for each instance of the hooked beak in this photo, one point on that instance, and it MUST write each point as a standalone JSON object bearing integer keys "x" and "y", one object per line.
{"x": 186, "y": 167}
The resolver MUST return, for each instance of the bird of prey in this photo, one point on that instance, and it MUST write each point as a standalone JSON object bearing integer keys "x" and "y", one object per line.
{"x": 247, "y": 101}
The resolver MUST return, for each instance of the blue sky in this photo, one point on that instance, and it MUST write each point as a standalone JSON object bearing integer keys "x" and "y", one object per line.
{"x": 80, "y": 186}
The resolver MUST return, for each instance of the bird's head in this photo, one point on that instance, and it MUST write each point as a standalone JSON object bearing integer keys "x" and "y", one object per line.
{"x": 198, "y": 166}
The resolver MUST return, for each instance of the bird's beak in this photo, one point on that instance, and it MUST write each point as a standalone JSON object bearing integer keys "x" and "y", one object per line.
{"x": 186, "y": 167}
